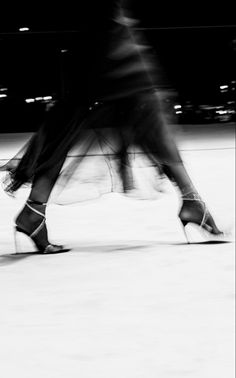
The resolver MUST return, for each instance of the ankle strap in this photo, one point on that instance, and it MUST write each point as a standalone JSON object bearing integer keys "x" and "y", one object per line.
{"x": 33, "y": 209}
{"x": 191, "y": 197}
{"x": 36, "y": 202}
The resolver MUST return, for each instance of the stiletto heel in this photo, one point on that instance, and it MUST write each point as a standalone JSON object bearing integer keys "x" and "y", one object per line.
{"x": 185, "y": 232}
{"x": 17, "y": 246}
{"x": 38, "y": 233}
{"x": 198, "y": 222}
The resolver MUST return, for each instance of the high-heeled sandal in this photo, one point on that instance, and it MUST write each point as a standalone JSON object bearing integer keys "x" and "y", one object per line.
{"x": 195, "y": 216}
{"x": 38, "y": 234}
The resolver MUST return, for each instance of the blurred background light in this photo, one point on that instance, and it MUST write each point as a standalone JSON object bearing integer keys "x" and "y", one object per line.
{"x": 23, "y": 29}
{"x": 222, "y": 87}
{"x": 29, "y": 100}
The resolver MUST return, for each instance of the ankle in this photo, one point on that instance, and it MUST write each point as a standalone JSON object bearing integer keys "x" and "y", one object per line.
{"x": 36, "y": 202}
{"x": 189, "y": 193}
{"x": 36, "y": 206}
{"x": 194, "y": 196}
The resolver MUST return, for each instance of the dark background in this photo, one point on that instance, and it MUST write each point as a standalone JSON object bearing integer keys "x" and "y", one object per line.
{"x": 195, "y": 45}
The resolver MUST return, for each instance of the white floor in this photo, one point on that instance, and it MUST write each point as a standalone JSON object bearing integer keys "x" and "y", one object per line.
{"x": 131, "y": 299}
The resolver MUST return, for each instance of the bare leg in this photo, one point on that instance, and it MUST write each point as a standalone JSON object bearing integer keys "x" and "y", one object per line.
{"x": 32, "y": 216}
{"x": 159, "y": 143}
{"x": 43, "y": 184}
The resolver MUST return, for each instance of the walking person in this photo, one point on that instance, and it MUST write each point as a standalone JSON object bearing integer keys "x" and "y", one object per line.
{"x": 120, "y": 108}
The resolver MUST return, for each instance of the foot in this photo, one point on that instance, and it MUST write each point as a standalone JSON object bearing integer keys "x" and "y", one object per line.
{"x": 198, "y": 223}
{"x": 194, "y": 210}
{"x": 31, "y": 221}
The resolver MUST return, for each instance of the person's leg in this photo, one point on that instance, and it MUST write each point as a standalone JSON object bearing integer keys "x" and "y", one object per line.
{"x": 117, "y": 142}
{"x": 31, "y": 219}
{"x": 159, "y": 143}
{"x": 124, "y": 167}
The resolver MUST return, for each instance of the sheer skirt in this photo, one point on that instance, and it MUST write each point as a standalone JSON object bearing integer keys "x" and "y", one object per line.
{"x": 103, "y": 141}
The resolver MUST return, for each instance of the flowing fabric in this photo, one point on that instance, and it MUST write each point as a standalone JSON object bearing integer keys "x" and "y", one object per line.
{"x": 116, "y": 130}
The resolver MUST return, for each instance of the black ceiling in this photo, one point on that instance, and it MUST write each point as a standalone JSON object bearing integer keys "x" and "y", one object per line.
{"x": 47, "y": 16}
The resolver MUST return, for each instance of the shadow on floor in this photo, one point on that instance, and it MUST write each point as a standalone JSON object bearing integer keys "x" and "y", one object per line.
{"x": 11, "y": 258}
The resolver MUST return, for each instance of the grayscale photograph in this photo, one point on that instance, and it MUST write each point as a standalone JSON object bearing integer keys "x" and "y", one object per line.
{"x": 117, "y": 190}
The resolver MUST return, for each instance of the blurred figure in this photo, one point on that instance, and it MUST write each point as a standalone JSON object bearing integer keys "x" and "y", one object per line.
{"x": 120, "y": 109}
